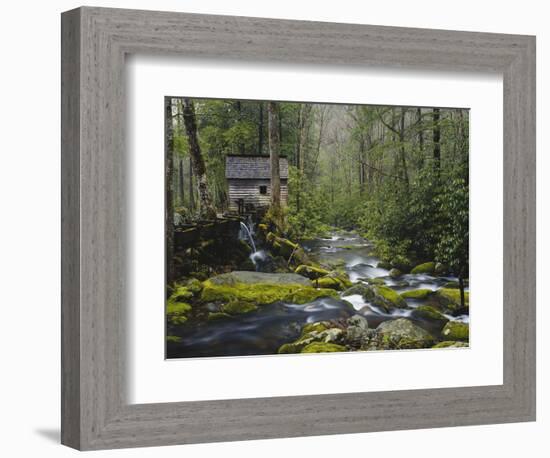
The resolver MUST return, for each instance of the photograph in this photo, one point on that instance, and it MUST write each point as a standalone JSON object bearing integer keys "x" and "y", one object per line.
{"x": 296, "y": 227}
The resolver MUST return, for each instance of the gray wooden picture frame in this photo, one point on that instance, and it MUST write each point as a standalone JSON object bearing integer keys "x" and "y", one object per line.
{"x": 95, "y": 412}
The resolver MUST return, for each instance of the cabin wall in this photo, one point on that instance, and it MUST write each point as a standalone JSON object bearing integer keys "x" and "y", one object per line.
{"x": 249, "y": 191}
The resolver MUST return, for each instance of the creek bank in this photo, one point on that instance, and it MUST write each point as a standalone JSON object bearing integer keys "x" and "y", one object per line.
{"x": 322, "y": 295}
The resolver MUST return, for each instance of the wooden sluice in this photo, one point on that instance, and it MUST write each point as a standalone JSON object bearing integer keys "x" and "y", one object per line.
{"x": 190, "y": 235}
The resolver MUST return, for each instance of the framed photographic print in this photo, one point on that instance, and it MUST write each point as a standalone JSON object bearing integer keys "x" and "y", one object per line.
{"x": 338, "y": 218}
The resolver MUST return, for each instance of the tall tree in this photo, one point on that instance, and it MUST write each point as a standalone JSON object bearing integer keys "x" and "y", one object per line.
{"x": 437, "y": 140}
{"x": 168, "y": 177}
{"x": 402, "y": 145}
{"x": 274, "y": 147}
{"x": 206, "y": 208}
{"x": 261, "y": 128}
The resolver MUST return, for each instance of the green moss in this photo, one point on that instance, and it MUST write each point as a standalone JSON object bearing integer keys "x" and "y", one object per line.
{"x": 173, "y": 339}
{"x": 335, "y": 264}
{"x": 194, "y": 286}
{"x": 314, "y": 327}
{"x": 425, "y": 268}
{"x": 217, "y": 315}
{"x": 425, "y": 312}
{"x": 329, "y": 282}
{"x": 450, "y": 344}
{"x": 311, "y": 272}
{"x": 288, "y": 348}
{"x": 181, "y": 293}
{"x": 283, "y": 246}
{"x": 363, "y": 290}
{"x": 416, "y": 294}
{"x": 177, "y": 312}
{"x": 387, "y": 297}
{"x": 322, "y": 347}
{"x": 455, "y": 330}
{"x": 334, "y": 280}
{"x": 261, "y": 293}
{"x": 403, "y": 334}
{"x": 453, "y": 295}
{"x": 237, "y": 307}
{"x": 376, "y": 281}
{"x": 395, "y": 273}
{"x": 307, "y": 294}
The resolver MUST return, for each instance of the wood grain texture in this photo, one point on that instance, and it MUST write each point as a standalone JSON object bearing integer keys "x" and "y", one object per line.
{"x": 96, "y": 414}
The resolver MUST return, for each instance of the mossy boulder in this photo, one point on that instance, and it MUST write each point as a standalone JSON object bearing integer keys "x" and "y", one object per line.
{"x": 336, "y": 263}
{"x": 315, "y": 333}
{"x": 217, "y": 316}
{"x": 243, "y": 292}
{"x": 322, "y": 347}
{"x": 448, "y": 300}
{"x": 387, "y": 298}
{"x": 305, "y": 295}
{"x": 181, "y": 293}
{"x": 404, "y": 334}
{"x": 425, "y": 268}
{"x": 359, "y": 289}
{"x": 315, "y": 327}
{"x": 194, "y": 286}
{"x": 334, "y": 280}
{"x": 395, "y": 273}
{"x": 427, "y": 313}
{"x": 311, "y": 272}
{"x": 287, "y": 249}
{"x": 177, "y": 313}
{"x": 357, "y": 330}
{"x": 248, "y": 277}
{"x": 376, "y": 281}
{"x": 419, "y": 294}
{"x": 451, "y": 344}
{"x": 384, "y": 265}
{"x": 455, "y": 330}
{"x": 289, "y": 348}
{"x": 237, "y": 307}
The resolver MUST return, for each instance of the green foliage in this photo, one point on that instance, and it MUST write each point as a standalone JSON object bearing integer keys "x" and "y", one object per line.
{"x": 307, "y": 208}
{"x": 452, "y": 246}
{"x": 322, "y": 347}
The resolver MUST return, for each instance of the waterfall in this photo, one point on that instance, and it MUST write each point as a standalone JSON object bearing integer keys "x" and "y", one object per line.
{"x": 246, "y": 231}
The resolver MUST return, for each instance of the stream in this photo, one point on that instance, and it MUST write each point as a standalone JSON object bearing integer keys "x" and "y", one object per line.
{"x": 263, "y": 331}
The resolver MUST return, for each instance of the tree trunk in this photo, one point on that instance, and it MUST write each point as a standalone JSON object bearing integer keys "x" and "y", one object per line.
{"x": 206, "y": 208}
{"x": 181, "y": 183}
{"x": 240, "y": 118}
{"x": 361, "y": 165}
{"x": 168, "y": 186}
{"x": 437, "y": 140}
{"x": 402, "y": 146}
{"x": 191, "y": 187}
{"x": 274, "y": 151}
{"x": 261, "y": 129}
{"x": 420, "y": 135}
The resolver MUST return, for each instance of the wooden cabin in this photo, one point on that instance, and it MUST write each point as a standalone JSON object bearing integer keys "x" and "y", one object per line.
{"x": 249, "y": 182}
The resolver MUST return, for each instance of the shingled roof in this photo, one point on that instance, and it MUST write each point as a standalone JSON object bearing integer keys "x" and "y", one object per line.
{"x": 252, "y": 167}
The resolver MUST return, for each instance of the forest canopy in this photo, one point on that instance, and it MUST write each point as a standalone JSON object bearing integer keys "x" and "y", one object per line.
{"x": 397, "y": 175}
